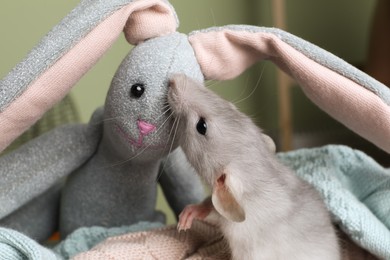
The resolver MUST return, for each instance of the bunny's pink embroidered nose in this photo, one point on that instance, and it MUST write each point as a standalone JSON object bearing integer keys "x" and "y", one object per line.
{"x": 145, "y": 128}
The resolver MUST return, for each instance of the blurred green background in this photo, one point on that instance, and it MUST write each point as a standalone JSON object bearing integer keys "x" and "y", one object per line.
{"x": 341, "y": 27}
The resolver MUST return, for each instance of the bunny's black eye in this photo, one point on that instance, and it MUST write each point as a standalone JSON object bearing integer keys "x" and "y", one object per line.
{"x": 201, "y": 126}
{"x": 137, "y": 90}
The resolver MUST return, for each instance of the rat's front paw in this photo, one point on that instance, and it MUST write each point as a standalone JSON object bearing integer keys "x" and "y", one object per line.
{"x": 191, "y": 212}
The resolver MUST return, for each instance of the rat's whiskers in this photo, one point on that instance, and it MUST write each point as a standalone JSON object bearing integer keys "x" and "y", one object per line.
{"x": 177, "y": 121}
{"x": 255, "y": 88}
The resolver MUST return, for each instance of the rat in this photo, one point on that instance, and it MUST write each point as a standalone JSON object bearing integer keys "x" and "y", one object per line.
{"x": 264, "y": 210}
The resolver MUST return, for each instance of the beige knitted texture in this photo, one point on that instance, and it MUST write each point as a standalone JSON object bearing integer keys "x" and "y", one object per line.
{"x": 202, "y": 241}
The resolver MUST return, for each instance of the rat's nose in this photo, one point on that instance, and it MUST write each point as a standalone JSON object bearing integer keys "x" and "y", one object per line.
{"x": 145, "y": 128}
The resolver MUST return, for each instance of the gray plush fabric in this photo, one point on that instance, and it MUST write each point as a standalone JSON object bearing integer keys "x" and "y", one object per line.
{"x": 317, "y": 54}
{"x": 35, "y": 167}
{"x": 30, "y": 170}
{"x": 39, "y": 217}
{"x": 179, "y": 196}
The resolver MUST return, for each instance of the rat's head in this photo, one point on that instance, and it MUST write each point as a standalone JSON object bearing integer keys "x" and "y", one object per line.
{"x": 205, "y": 122}
{"x": 222, "y": 144}
{"x": 137, "y": 121}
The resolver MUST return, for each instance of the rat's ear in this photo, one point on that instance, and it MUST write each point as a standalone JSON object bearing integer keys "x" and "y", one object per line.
{"x": 269, "y": 143}
{"x": 68, "y": 51}
{"x": 224, "y": 201}
{"x": 352, "y": 97}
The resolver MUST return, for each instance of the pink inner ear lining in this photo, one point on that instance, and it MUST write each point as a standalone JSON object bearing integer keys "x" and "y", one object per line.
{"x": 156, "y": 20}
{"x": 52, "y": 85}
{"x": 221, "y": 180}
{"x": 351, "y": 104}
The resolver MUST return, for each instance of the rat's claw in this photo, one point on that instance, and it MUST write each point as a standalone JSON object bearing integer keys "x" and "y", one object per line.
{"x": 190, "y": 213}
{"x": 181, "y": 224}
{"x": 180, "y": 227}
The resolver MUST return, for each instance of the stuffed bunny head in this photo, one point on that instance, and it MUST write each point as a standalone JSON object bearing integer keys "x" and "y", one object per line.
{"x": 137, "y": 117}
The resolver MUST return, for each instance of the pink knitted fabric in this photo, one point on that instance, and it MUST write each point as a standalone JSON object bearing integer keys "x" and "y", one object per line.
{"x": 202, "y": 241}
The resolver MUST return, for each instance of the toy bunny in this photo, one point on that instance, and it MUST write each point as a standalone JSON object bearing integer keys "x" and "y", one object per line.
{"x": 133, "y": 116}
{"x": 114, "y": 162}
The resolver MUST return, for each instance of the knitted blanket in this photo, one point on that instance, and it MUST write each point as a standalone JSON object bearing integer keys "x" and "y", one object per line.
{"x": 202, "y": 241}
{"x": 16, "y": 246}
{"x": 355, "y": 189}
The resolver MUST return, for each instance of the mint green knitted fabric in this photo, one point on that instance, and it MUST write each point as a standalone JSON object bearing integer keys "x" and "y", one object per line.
{"x": 16, "y": 246}
{"x": 355, "y": 189}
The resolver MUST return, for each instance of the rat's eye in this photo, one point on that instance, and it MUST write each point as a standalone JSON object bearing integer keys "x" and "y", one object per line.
{"x": 137, "y": 90}
{"x": 201, "y": 126}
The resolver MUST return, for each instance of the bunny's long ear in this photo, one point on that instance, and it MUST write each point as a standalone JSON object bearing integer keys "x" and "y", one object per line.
{"x": 68, "y": 51}
{"x": 347, "y": 94}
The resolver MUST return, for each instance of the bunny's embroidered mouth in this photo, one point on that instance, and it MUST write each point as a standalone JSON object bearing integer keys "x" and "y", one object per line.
{"x": 144, "y": 130}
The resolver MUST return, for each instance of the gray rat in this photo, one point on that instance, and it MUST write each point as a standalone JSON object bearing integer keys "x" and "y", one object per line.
{"x": 264, "y": 210}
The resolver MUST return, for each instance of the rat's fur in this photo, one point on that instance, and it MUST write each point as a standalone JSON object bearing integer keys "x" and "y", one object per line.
{"x": 285, "y": 218}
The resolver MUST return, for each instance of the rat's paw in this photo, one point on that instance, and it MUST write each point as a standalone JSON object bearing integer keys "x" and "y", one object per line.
{"x": 191, "y": 212}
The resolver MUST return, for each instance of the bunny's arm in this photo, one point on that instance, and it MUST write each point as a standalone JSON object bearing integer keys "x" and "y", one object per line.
{"x": 180, "y": 183}
{"x": 38, "y": 218}
{"x": 38, "y": 165}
